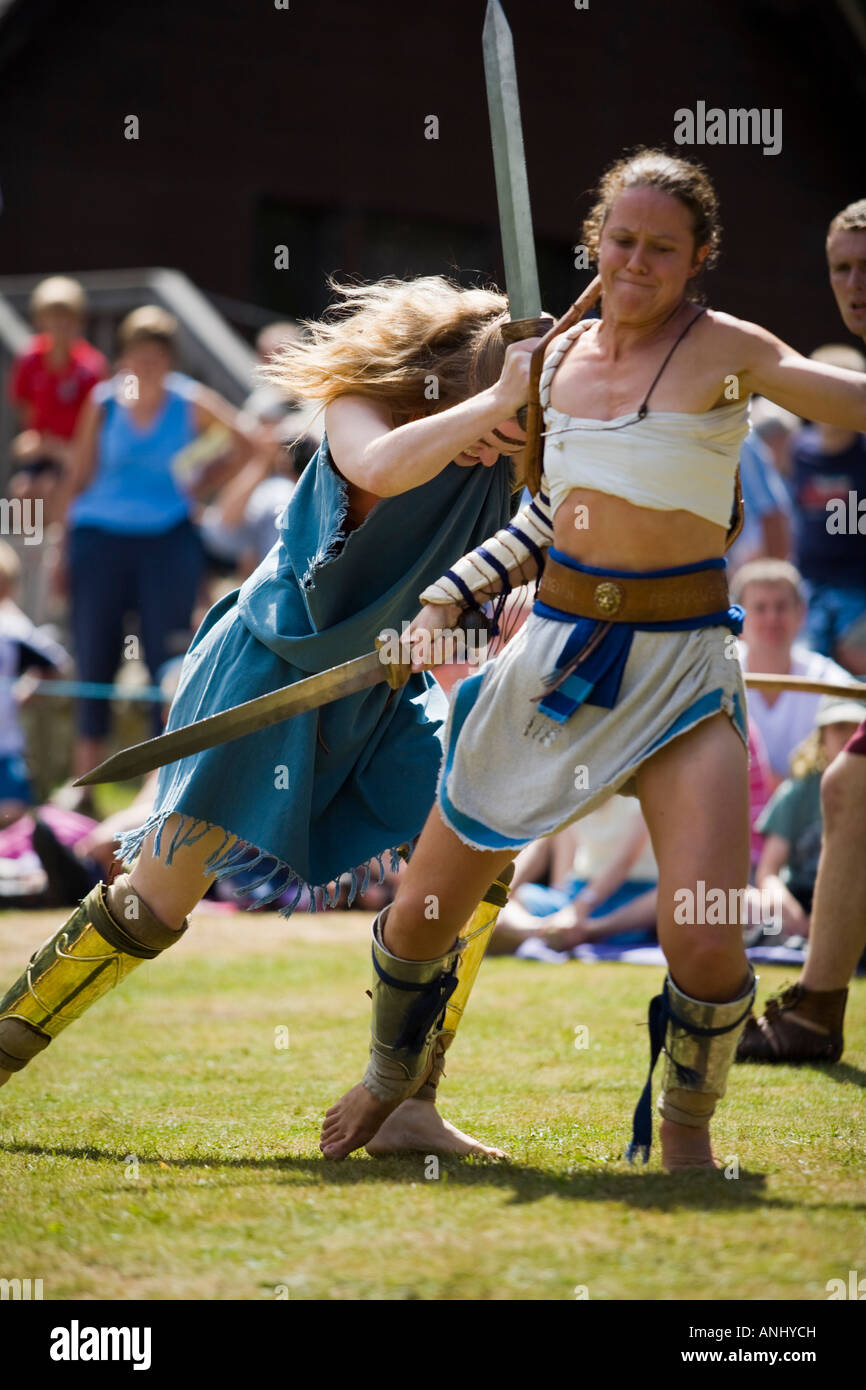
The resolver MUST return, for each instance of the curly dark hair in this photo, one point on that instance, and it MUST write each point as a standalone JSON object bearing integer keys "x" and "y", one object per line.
{"x": 646, "y": 168}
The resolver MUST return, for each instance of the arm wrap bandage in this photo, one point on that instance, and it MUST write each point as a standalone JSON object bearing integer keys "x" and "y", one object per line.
{"x": 513, "y": 556}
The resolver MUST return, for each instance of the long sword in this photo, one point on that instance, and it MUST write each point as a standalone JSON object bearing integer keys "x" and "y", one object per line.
{"x": 321, "y": 689}
{"x": 298, "y": 698}
{"x": 512, "y": 184}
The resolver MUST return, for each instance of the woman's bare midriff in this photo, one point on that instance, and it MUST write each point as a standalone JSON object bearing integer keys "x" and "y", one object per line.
{"x": 610, "y": 533}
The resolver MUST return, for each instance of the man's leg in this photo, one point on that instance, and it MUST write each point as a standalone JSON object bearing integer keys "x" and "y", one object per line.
{"x": 415, "y": 950}
{"x": 805, "y": 1023}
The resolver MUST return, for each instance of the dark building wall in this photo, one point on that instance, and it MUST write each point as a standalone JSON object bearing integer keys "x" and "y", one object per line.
{"x": 306, "y": 127}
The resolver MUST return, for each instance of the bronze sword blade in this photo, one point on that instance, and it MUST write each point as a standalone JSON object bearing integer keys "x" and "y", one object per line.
{"x": 248, "y": 718}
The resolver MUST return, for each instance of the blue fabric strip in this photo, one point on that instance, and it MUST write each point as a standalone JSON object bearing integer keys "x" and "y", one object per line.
{"x": 495, "y": 565}
{"x": 467, "y": 593}
{"x": 724, "y": 617}
{"x": 528, "y": 542}
{"x": 719, "y": 563}
{"x": 598, "y": 678}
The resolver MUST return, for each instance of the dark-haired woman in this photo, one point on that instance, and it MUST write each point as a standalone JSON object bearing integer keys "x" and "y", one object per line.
{"x": 625, "y": 678}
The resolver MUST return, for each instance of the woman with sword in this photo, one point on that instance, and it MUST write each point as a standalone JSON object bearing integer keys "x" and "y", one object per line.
{"x": 413, "y": 471}
{"x": 626, "y": 677}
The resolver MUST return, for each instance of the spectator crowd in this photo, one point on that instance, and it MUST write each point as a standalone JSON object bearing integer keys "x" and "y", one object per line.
{"x": 156, "y": 495}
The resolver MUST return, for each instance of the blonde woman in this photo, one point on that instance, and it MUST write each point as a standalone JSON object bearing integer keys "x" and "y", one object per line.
{"x": 625, "y": 677}
{"x": 410, "y": 474}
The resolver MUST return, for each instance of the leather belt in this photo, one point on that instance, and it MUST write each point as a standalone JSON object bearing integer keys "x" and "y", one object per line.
{"x": 615, "y": 599}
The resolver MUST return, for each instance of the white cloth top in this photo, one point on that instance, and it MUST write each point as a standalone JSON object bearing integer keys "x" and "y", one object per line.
{"x": 667, "y": 461}
{"x": 784, "y": 724}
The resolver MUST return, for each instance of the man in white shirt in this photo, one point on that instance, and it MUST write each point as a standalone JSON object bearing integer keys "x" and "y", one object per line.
{"x": 805, "y": 1023}
{"x": 770, "y": 592}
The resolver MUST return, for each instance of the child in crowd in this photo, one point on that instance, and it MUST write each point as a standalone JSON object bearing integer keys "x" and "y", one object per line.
{"x": 24, "y": 651}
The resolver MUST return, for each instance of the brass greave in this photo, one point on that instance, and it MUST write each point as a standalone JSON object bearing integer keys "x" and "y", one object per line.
{"x": 107, "y": 936}
{"x": 700, "y": 1043}
{"x": 409, "y": 1001}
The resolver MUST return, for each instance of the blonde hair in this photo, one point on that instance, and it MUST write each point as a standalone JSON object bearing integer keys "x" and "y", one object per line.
{"x": 766, "y": 571}
{"x": 850, "y": 219}
{"x": 149, "y": 324}
{"x": 58, "y": 292}
{"x": 810, "y": 755}
{"x": 391, "y": 340}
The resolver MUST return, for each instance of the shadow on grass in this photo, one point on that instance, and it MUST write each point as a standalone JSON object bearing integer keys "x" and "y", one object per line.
{"x": 635, "y": 1187}
{"x": 842, "y": 1072}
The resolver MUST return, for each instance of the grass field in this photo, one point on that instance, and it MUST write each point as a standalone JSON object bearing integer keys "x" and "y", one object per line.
{"x": 166, "y": 1146}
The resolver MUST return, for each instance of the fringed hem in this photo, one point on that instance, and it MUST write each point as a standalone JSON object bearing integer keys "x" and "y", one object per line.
{"x": 235, "y": 856}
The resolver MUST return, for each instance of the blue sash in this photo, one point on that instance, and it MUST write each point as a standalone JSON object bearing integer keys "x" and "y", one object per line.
{"x": 601, "y": 670}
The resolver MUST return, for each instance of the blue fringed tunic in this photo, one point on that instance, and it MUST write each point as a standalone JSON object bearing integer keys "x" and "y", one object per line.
{"x": 311, "y": 799}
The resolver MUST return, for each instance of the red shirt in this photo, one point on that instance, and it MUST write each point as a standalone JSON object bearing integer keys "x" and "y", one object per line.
{"x": 55, "y": 397}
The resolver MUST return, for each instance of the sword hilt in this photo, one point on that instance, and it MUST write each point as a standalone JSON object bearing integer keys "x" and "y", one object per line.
{"x": 514, "y": 331}
{"x": 397, "y": 673}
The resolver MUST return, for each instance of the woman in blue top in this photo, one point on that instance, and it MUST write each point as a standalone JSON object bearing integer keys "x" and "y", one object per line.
{"x": 413, "y": 470}
{"x": 132, "y": 544}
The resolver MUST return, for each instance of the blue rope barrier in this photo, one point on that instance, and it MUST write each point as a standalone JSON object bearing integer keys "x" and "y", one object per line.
{"x": 97, "y": 690}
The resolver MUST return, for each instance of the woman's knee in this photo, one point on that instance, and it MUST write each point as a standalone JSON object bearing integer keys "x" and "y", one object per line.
{"x": 708, "y": 963}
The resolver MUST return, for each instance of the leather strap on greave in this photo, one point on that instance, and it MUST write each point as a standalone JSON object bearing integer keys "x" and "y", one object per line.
{"x": 699, "y": 1041}
{"x": 409, "y": 1001}
{"x": 107, "y": 936}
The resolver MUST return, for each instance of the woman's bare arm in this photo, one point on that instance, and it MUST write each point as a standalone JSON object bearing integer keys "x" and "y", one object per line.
{"x": 385, "y": 461}
{"x": 812, "y": 390}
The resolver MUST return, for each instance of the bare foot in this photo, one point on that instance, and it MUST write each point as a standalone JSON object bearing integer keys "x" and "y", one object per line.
{"x": 685, "y": 1146}
{"x": 417, "y": 1126}
{"x": 352, "y": 1121}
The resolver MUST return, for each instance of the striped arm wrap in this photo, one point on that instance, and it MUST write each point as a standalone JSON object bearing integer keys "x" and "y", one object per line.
{"x": 513, "y": 556}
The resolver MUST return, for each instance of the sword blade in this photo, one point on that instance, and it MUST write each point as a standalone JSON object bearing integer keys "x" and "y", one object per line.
{"x": 512, "y": 187}
{"x": 248, "y": 718}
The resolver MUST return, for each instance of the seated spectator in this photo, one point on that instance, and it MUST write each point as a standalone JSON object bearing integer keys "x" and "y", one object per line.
{"x": 133, "y": 548}
{"x": 791, "y": 822}
{"x": 829, "y": 470}
{"x": 24, "y": 652}
{"x": 771, "y": 593}
{"x": 768, "y": 512}
{"x": 612, "y": 874}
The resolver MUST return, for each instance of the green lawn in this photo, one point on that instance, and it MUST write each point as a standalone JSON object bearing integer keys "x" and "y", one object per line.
{"x": 166, "y": 1148}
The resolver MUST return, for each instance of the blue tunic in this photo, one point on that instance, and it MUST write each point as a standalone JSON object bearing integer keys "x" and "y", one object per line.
{"x": 316, "y": 796}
